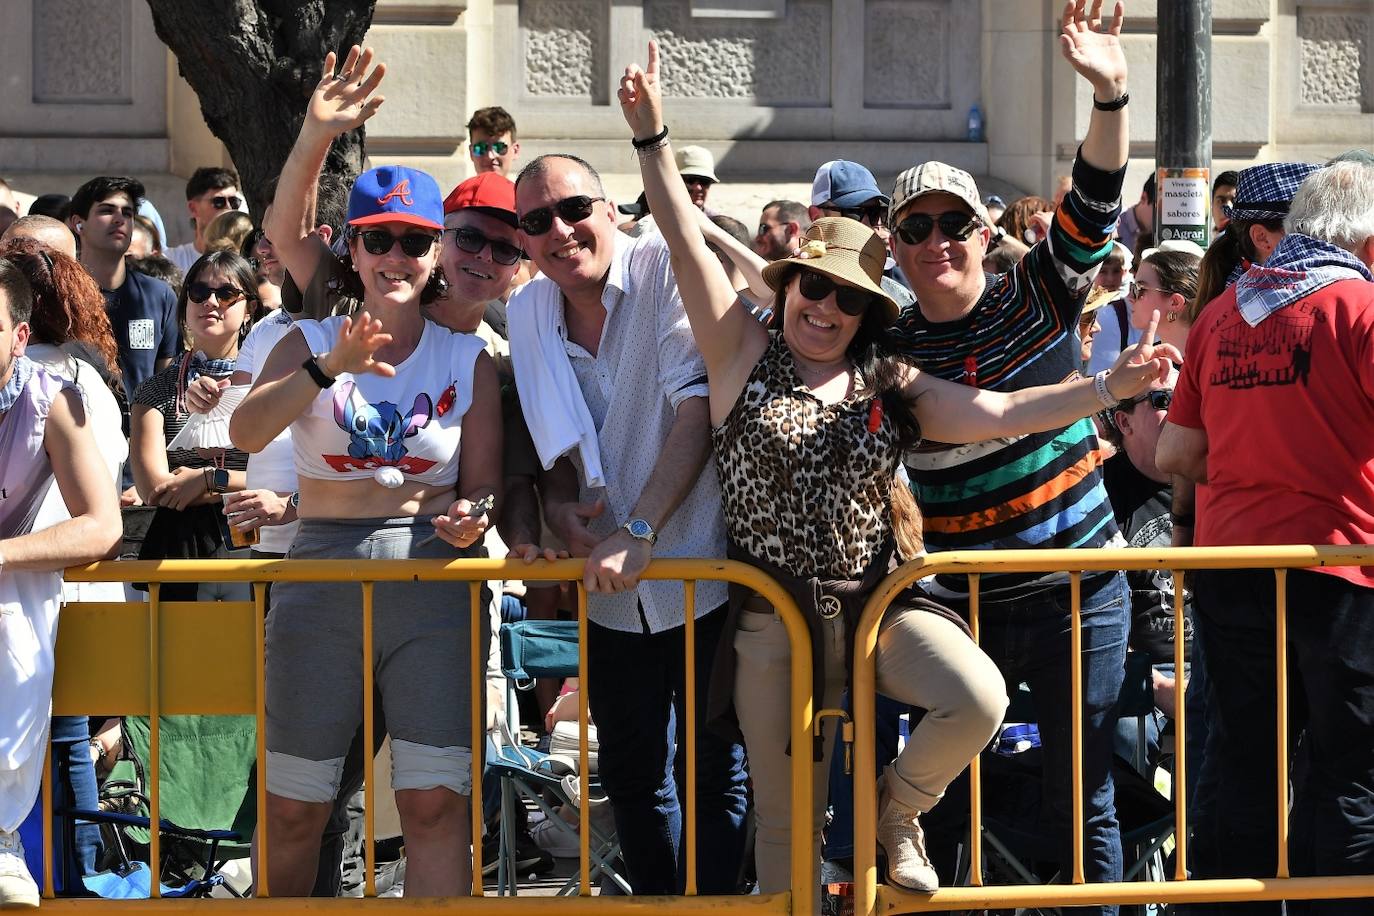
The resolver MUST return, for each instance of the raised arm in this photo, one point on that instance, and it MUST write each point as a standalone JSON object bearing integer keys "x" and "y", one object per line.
{"x": 341, "y": 102}
{"x": 746, "y": 261}
{"x": 953, "y": 413}
{"x": 1092, "y": 47}
{"x": 729, "y": 338}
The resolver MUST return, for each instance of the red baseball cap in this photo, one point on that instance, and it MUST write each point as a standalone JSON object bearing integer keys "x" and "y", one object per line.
{"x": 490, "y": 192}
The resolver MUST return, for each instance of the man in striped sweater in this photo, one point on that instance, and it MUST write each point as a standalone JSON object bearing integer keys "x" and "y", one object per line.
{"x": 1006, "y": 333}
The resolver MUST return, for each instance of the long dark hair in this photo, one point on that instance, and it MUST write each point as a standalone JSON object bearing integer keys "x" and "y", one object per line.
{"x": 1223, "y": 255}
{"x": 237, "y": 268}
{"x": 871, "y": 353}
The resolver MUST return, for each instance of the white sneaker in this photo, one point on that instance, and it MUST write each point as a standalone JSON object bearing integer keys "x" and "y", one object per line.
{"x": 17, "y": 887}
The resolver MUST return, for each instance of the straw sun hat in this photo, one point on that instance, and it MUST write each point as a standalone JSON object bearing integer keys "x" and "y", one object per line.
{"x": 846, "y": 251}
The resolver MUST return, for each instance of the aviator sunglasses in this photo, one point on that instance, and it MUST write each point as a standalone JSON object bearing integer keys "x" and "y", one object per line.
{"x": 199, "y": 292}
{"x": 472, "y": 241}
{"x": 815, "y": 286}
{"x": 414, "y": 244}
{"x": 482, "y": 147}
{"x": 916, "y": 228}
{"x": 569, "y": 209}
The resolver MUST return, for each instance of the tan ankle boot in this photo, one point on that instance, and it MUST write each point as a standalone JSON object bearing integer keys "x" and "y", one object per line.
{"x": 900, "y": 835}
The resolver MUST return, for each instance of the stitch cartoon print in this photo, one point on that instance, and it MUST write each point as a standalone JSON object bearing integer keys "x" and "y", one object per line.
{"x": 377, "y": 432}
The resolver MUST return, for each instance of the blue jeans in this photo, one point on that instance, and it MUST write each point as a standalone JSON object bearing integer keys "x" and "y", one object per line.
{"x": 839, "y": 833}
{"x": 75, "y": 787}
{"x": 1331, "y": 731}
{"x": 1029, "y": 640}
{"x": 637, "y": 697}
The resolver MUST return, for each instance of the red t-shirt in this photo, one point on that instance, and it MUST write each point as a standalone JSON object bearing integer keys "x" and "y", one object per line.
{"x": 1288, "y": 407}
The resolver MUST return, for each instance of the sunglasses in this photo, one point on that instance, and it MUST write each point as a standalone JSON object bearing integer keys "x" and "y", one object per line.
{"x": 872, "y": 215}
{"x": 199, "y": 292}
{"x": 1135, "y": 289}
{"x": 1159, "y": 398}
{"x": 569, "y": 209}
{"x": 481, "y": 148}
{"x": 815, "y": 286}
{"x": 414, "y": 244}
{"x": 226, "y": 201}
{"x": 916, "y": 228}
{"x": 472, "y": 241}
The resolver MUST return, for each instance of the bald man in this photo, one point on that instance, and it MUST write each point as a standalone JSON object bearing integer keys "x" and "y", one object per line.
{"x": 45, "y": 231}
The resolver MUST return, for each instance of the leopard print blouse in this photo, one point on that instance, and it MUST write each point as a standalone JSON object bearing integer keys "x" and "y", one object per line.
{"x": 806, "y": 485}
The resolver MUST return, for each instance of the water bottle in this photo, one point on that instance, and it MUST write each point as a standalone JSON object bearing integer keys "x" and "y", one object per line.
{"x": 975, "y": 125}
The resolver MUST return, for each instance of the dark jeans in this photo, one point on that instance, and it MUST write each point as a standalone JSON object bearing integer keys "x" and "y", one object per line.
{"x": 1331, "y": 731}
{"x": 637, "y": 697}
{"x": 838, "y": 841}
{"x": 1029, "y": 640}
{"x": 75, "y": 787}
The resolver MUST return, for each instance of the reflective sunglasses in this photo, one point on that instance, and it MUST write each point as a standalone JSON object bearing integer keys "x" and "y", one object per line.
{"x": 570, "y": 210}
{"x": 1159, "y": 398}
{"x": 199, "y": 292}
{"x": 955, "y": 225}
{"x": 472, "y": 241}
{"x": 226, "y": 201}
{"x": 414, "y": 244}
{"x": 483, "y": 147}
{"x": 869, "y": 215}
{"x": 1135, "y": 289}
{"x": 815, "y": 286}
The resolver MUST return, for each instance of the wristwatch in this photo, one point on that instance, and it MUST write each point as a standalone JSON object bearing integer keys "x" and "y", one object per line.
{"x": 216, "y": 480}
{"x": 641, "y": 529}
{"x": 294, "y": 500}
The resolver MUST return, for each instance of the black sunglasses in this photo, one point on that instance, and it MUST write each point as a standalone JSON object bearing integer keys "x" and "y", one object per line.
{"x": 570, "y": 210}
{"x": 1159, "y": 398}
{"x": 199, "y": 292}
{"x": 472, "y": 241}
{"x": 226, "y": 201}
{"x": 871, "y": 215}
{"x": 482, "y": 147}
{"x": 815, "y": 286}
{"x": 917, "y": 227}
{"x": 414, "y": 244}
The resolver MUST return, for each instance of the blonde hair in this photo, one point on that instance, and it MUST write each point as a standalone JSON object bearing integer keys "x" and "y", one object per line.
{"x": 227, "y": 231}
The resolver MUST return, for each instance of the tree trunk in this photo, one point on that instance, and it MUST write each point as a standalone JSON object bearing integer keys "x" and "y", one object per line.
{"x": 253, "y": 64}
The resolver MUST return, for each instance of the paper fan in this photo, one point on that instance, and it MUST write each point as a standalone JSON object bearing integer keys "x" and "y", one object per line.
{"x": 211, "y": 430}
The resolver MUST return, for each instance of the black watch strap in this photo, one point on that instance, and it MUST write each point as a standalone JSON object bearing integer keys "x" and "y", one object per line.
{"x": 317, "y": 374}
{"x": 1115, "y": 104}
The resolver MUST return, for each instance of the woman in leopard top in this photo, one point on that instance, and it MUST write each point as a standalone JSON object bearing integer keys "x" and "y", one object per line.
{"x": 809, "y": 423}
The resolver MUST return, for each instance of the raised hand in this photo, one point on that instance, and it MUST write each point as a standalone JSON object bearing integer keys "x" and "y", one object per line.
{"x": 1141, "y": 364}
{"x": 343, "y": 100}
{"x": 640, "y": 99}
{"x": 1093, "y": 47}
{"x": 359, "y": 337}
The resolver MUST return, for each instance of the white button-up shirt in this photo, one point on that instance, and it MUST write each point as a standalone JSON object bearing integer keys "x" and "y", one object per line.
{"x": 646, "y": 364}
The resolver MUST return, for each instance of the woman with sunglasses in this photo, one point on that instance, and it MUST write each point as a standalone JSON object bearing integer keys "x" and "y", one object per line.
{"x": 809, "y": 421}
{"x": 1166, "y": 284}
{"x": 396, "y": 428}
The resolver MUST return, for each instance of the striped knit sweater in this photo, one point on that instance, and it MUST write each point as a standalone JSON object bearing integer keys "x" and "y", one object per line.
{"x": 1040, "y": 490}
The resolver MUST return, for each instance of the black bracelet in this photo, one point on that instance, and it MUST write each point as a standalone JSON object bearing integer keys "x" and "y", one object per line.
{"x": 650, "y": 141}
{"x": 1115, "y": 104}
{"x": 1184, "y": 520}
{"x": 316, "y": 373}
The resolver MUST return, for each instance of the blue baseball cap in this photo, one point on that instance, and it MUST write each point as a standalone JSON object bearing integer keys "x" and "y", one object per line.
{"x": 841, "y": 183}
{"x": 396, "y": 194}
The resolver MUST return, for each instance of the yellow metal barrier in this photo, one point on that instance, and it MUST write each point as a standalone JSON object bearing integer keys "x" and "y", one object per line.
{"x": 168, "y": 666}
{"x": 872, "y": 899}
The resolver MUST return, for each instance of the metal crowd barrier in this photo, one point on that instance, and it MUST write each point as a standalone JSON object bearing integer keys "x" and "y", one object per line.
{"x": 872, "y": 899}
{"x": 187, "y": 658}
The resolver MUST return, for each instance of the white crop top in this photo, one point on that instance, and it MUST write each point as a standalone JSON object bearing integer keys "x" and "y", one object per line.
{"x": 412, "y": 421}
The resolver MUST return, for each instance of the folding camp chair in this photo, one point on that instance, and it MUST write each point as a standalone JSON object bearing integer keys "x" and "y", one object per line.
{"x": 529, "y": 650}
{"x": 207, "y": 806}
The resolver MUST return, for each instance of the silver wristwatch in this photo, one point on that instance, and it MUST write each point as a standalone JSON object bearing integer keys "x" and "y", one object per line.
{"x": 641, "y": 529}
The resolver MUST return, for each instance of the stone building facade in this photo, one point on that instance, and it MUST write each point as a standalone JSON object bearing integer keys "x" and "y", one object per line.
{"x": 772, "y": 87}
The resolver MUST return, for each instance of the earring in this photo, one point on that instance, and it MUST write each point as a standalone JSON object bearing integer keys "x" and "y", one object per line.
{"x": 1171, "y": 317}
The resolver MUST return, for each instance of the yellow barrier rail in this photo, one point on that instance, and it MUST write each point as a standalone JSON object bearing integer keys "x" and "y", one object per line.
{"x": 168, "y": 667}
{"x": 872, "y": 899}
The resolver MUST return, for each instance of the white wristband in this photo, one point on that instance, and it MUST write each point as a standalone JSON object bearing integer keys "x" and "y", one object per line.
{"x": 1103, "y": 394}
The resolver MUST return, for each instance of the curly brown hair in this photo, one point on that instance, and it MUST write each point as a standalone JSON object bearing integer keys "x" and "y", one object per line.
{"x": 67, "y": 302}
{"x": 1017, "y": 217}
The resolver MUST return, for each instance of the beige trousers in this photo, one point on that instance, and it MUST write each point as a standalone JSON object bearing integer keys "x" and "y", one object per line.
{"x": 923, "y": 659}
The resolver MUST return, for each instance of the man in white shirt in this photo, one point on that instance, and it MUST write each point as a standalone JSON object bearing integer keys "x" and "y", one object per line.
{"x": 605, "y": 314}
{"x": 210, "y": 191}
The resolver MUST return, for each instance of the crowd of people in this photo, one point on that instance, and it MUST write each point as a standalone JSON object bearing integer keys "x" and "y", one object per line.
{"x": 517, "y": 368}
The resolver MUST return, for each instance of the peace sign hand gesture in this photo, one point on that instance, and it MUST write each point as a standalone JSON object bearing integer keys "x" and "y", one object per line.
{"x": 1093, "y": 47}
{"x": 1140, "y": 365}
{"x": 640, "y": 99}
{"x": 341, "y": 100}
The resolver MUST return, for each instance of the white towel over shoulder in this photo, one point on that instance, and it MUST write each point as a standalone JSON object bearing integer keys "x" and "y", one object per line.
{"x": 555, "y": 411}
